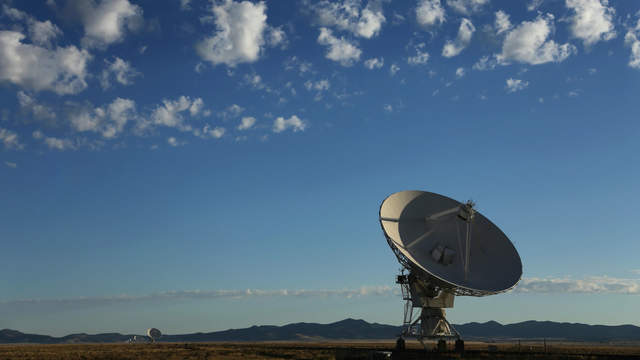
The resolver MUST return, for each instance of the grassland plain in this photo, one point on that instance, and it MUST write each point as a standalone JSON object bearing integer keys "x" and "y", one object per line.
{"x": 317, "y": 350}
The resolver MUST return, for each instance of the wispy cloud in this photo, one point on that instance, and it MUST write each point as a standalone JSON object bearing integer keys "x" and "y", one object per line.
{"x": 208, "y": 295}
{"x": 589, "y": 285}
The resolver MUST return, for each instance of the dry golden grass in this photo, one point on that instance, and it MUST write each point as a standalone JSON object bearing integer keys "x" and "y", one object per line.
{"x": 289, "y": 350}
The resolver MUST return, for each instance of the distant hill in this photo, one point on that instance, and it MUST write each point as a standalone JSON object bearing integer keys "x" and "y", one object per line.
{"x": 351, "y": 329}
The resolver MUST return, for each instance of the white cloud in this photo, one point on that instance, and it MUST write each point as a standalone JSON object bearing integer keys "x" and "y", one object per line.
{"x": 107, "y": 21}
{"x": 528, "y": 43}
{"x": 170, "y": 113}
{"x": 632, "y": 39}
{"x": 109, "y": 121}
{"x": 294, "y": 123}
{"x": 294, "y": 63}
{"x": 393, "y": 69}
{"x": 320, "y": 85}
{"x": 467, "y": 7}
{"x": 241, "y": 28}
{"x": 277, "y": 37}
{"x": 347, "y": 15}
{"x": 196, "y": 106}
{"x": 41, "y": 33}
{"x": 39, "y": 111}
{"x": 465, "y": 32}
{"x": 255, "y": 81}
{"x": 207, "y": 295}
{"x": 246, "y": 123}
{"x": 514, "y": 85}
{"x": 121, "y": 70}
{"x": 340, "y": 49}
{"x": 485, "y": 63}
{"x": 460, "y": 72}
{"x": 232, "y": 111}
{"x": 590, "y": 285}
{"x": 502, "y": 22}
{"x": 9, "y": 139}
{"x": 216, "y": 132}
{"x": 174, "y": 142}
{"x": 374, "y": 63}
{"x": 388, "y": 108}
{"x": 11, "y": 164}
{"x": 430, "y": 13}
{"x": 62, "y": 70}
{"x": 592, "y": 21}
{"x": 185, "y": 5}
{"x": 421, "y": 56}
{"x": 635, "y": 271}
{"x": 534, "y": 4}
{"x": 210, "y": 132}
{"x": 60, "y": 144}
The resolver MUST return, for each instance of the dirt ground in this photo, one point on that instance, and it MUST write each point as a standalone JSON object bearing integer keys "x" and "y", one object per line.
{"x": 319, "y": 350}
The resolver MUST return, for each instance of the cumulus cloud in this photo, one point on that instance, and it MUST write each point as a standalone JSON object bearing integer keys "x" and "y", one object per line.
{"x": 502, "y": 22}
{"x": 173, "y": 142}
{"x": 277, "y": 37}
{"x": 485, "y": 63}
{"x": 109, "y": 121}
{"x": 232, "y": 111}
{"x": 421, "y": 56}
{"x": 632, "y": 39}
{"x": 60, "y": 144}
{"x": 9, "y": 139}
{"x": 41, "y": 33}
{"x": 339, "y": 49}
{"x": 514, "y": 85}
{"x": 171, "y": 112}
{"x": 348, "y": 15}
{"x": 465, "y": 32}
{"x": 209, "y": 132}
{"x": 590, "y": 285}
{"x": 39, "y": 111}
{"x": 246, "y": 123}
{"x": 592, "y": 21}
{"x": 119, "y": 69}
{"x": 374, "y": 63}
{"x": 106, "y": 21}
{"x": 185, "y": 5}
{"x": 467, "y": 7}
{"x": 294, "y": 123}
{"x": 528, "y": 43}
{"x": 241, "y": 29}
{"x": 320, "y": 85}
{"x": 62, "y": 70}
{"x": 430, "y": 13}
{"x": 460, "y": 72}
{"x": 294, "y": 63}
{"x": 393, "y": 69}
{"x": 534, "y": 4}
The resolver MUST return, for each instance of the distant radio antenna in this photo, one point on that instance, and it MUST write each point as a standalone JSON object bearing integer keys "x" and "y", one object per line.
{"x": 154, "y": 334}
{"x": 448, "y": 249}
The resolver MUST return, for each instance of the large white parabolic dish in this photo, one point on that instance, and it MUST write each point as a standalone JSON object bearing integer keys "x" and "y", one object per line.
{"x": 419, "y": 225}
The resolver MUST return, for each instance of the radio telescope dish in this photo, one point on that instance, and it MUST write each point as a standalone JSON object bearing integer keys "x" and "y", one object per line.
{"x": 154, "y": 334}
{"x": 448, "y": 249}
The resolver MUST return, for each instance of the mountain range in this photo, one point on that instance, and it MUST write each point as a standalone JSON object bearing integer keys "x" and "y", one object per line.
{"x": 351, "y": 329}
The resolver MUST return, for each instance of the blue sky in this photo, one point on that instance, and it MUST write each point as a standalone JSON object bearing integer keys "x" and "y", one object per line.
{"x": 198, "y": 165}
